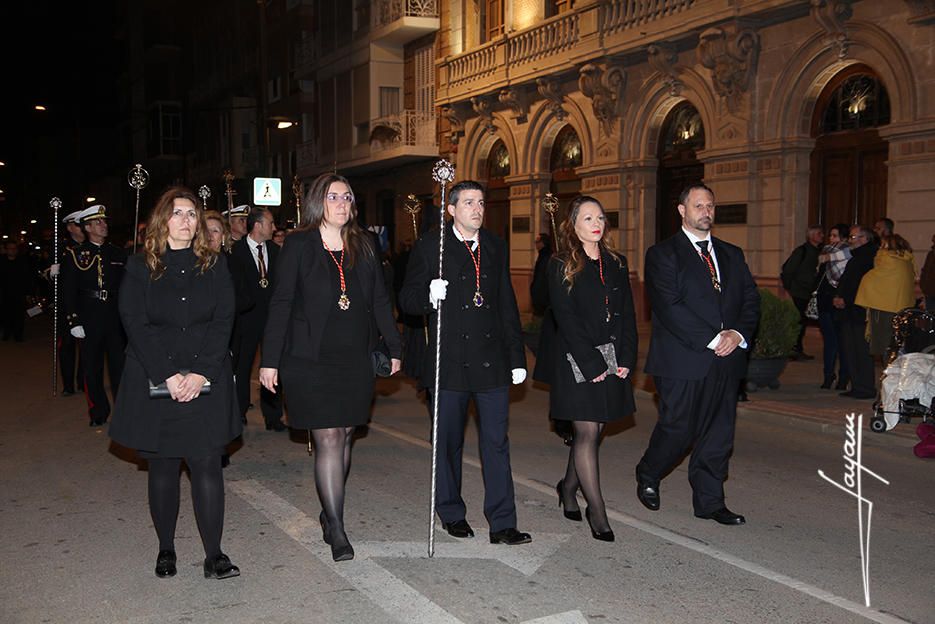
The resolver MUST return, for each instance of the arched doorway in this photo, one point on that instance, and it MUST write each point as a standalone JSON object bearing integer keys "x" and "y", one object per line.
{"x": 497, "y": 200}
{"x": 681, "y": 137}
{"x": 563, "y": 160}
{"x": 848, "y": 165}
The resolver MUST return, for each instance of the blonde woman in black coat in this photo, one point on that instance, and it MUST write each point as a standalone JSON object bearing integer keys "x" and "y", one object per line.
{"x": 177, "y": 306}
{"x": 589, "y": 292}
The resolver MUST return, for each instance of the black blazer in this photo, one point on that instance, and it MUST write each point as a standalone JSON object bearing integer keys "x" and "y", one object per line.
{"x": 481, "y": 345}
{"x": 859, "y": 265}
{"x": 687, "y": 312}
{"x": 181, "y": 321}
{"x": 581, "y": 324}
{"x": 305, "y": 293}
{"x": 252, "y": 300}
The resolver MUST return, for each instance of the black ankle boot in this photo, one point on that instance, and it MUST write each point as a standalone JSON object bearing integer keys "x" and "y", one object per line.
{"x": 829, "y": 380}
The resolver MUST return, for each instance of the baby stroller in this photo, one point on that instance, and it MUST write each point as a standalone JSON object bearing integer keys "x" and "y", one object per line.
{"x": 908, "y": 388}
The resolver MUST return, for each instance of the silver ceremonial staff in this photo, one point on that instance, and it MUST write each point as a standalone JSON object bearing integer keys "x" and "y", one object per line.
{"x": 138, "y": 178}
{"x": 412, "y": 206}
{"x": 55, "y": 203}
{"x": 204, "y": 193}
{"x": 550, "y": 205}
{"x": 297, "y": 193}
{"x": 443, "y": 173}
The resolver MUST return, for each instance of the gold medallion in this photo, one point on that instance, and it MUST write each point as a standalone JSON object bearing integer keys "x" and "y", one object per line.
{"x": 264, "y": 282}
{"x": 478, "y": 299}
{"x": 343, "y": 302}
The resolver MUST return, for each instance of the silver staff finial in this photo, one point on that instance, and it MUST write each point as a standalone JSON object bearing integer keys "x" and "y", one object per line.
{"x": 443, "y": 172}
{"x": 204, "y": 193}
{"x": 138, "y": 177}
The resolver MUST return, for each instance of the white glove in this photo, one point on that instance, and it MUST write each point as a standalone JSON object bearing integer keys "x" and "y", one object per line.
{"x": 438, "y": 290}
{"x": 53, "y": 270}
{"x": 519, "y": 376}
{"x": 77, "y": 331}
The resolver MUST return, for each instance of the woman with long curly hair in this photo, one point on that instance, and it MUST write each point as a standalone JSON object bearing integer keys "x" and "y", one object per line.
{"x": 177, "y": 399}
{"x": 593, "y": 351}
{"x": 328, "y": 302}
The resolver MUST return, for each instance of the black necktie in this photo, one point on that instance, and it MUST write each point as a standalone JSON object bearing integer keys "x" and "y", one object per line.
{"x": 261, "y": 265}
{"x": 709, "y": 262}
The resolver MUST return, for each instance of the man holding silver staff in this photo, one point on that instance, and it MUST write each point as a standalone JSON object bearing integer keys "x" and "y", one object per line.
{"x": 237, "y": 217}
{"x": 67, "y": 345}
{"x": 91, "y": 275}
{"x": 484, "y": 353}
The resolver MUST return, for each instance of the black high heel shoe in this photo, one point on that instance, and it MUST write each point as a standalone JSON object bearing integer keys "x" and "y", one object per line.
{"x": 573, "y": 514}
{"x": 604, "y": 536}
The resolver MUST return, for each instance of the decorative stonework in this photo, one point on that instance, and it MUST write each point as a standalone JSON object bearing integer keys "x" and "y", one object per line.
{"x": 515, "y": 98}
{"x": 728, "y": 131}
{"x": 520, "y": 190}
{"x": 832, "y": 16}
{"x": 662, "y": 58}
{"x": 599, "y": 182}
{"x": 484, "y": 110}
{"x": 769, "y": 164}
{"x": 731, "y": 54}
{"x": 456, "y": 121}
{"x": 736, "y": 166}
{"x": 603, "y": 84}
{"x": 551, "y": 90}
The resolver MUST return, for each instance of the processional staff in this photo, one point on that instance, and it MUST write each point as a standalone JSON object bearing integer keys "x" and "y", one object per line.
{"x": 138, "y": 178}
{"x": 297, "y": 193}
{"x": 443, "y": 173}
{"x": 550, "y": 205}
{"x": 56, "y": 203}
{"x": 413, "y": 205}
{"x": 228, "y": 178}
{"x": 204, "y": 193}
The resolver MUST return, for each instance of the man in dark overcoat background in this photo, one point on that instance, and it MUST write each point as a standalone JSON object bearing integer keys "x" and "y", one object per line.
{"x": 482, "y": 354}
{"x": 253, "y": 269}
{"x": 705, "y": 308}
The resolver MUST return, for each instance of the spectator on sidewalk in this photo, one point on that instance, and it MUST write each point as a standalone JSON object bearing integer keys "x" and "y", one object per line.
{"x": 927, "y": 278}
{"x": 883, "y": 227}
{"x": 833, "y": 260}
{"x": 15, "y": 282}
{"x": 799, "y": 277}
{"x": 854, "y": 317}
{"x": 539, "y": 288}
{"x": 886, "y": 289}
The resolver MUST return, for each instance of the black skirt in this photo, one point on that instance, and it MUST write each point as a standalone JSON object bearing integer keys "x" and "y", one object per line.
{"x": 337, "y": 389}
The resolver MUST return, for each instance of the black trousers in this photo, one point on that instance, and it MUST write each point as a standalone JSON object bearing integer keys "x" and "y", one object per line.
{"x": 247, "y": 341}
{"x": 697, "y": 414}
{"x": 493, "y": 423}
{"x": 801, "y": 305}
{"x": 102, "y": 341}
{"x": 67, "y": 354}
{"x": 13, "y": 316}
{"x": 857, "y": 354}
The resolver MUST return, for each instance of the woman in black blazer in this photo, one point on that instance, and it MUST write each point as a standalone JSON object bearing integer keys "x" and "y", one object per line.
{"x": 589, "y": 291}
{"x": 177, "y": 306}
{"x": 328, "y": 308}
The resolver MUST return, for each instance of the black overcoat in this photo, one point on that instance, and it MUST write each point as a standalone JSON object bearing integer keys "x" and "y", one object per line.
{"x": 181, "y": 321}
{"x": 581, "y": 324}
{"x": 480, "y": 345}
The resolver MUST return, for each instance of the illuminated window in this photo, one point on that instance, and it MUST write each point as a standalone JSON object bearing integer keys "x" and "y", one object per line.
{"x": 491, "y": 19}
{"x": 498, "y": 162}
{"x": 566, "y": 151}
{"x": 684, "y": 130}
{"x": 859, "y": 102}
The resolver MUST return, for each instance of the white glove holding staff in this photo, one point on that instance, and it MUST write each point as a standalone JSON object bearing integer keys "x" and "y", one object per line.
{"x": 438, "y": 290}
{"x": 77, "y": 331}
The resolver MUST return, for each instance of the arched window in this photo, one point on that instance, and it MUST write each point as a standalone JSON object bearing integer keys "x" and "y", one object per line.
{"x": 860, "y": 101}
{"x": 681, "y": 135}
{"x": 498, "y": 162}
{"x": 566, "y": 151}
{"x": 683, "y": 132}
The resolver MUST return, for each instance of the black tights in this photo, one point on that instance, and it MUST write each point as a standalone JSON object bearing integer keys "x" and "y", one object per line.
{"x": 332, "y": 463}
{"x": 583, "y": 471}
{"x": 207, "y": 499}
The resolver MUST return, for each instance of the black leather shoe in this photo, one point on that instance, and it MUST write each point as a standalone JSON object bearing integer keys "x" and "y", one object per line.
{"x": 723, "y": 516}
{"x": 647, "y": 494}
{"x": 275, "y": 426}
{"x": 571, "y": 514}
{"x": 220, "y": 567}
{"x": 459, "y": 528}
{"x": 604, "y": 536}
{"x": 828, "y": 382}
{"x": 165, "y": 564}
{"x": 842, "y": 384}
{"x": 67, "y": 393}
{"x": 510, "y": 537}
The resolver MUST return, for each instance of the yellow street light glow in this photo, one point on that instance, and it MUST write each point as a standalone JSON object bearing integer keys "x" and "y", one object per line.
{"x": 282, "y": 125}
{"x": 6, "y": 236}
{"x": 2, "y": 164}
{"x": 90, "y": 199}
{"x": 33, "y": 221}
{"x": 22, "y": 232}
{"x": 40, "y": 107}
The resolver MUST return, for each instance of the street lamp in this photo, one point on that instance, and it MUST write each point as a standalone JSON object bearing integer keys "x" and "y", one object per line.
{"x": 90, "y": 199}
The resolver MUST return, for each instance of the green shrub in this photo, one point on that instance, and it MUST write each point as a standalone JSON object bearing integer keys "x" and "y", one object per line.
{"x": 778, "y": 329}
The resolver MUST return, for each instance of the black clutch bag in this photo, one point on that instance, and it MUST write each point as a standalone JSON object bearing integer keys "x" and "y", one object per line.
{"x": 160, "y": 391}
{"x": 382, "y": 367}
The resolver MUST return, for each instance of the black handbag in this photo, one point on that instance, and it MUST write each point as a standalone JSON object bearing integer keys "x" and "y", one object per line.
{"x": 382, "y": 366}
{"x": 161, "y": 391}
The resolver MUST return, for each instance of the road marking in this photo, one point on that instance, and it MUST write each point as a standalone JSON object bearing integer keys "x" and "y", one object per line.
{"x": 569, "y": 617}
{"x": 685, "y": 541}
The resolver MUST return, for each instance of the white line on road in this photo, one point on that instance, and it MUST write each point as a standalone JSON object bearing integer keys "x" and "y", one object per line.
{"x": 685, "y": 541}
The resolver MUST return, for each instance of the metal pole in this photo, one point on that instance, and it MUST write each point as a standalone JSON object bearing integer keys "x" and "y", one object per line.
{"x": 443, "y": 173}
{"x": 550, "y": 204}
{"x": 138, "y": 178}
{"x": 56, "y": 203}
{"x": 412, "y": 205}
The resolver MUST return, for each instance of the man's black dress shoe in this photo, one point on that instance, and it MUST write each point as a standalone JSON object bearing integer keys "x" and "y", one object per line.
{"x": 604, "y": 536}
{"x": 165, "y": 563}
{"x": 510, "y": 537}
{"x": 220, "y": 567}
{"x": 67, "y": 392}
{"x": 571, "y": 514}
{"x": 459, "y": 528}
{"x": 723, "y": 516}
{"x": 851, "y": 394}
{"x": 97, "y": 422}
{"x": 275, "y": 426}
{"x": 647, "y": 494}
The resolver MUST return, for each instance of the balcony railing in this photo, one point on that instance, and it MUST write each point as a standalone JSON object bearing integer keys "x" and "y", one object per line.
{"x": 386, "y": 12}
{"x": 551, "y": 38}
{"x": 622, "y": 14}
{"x": 406, "y": 128}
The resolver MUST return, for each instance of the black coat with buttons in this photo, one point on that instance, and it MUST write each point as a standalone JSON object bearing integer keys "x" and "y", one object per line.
{"x": 180, "y": 321}
{"x": 480, "y": 345}
{"x": 581, "y": 324}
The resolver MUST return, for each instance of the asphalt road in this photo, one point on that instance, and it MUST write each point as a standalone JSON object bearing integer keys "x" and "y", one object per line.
{"x": 79, "y": 545}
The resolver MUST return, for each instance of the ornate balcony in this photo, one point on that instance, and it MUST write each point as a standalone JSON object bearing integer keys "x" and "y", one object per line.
{"x": 400, "y": 21}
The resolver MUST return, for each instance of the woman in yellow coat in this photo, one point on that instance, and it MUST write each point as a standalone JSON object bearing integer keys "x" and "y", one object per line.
{"x": 886, "y": 289}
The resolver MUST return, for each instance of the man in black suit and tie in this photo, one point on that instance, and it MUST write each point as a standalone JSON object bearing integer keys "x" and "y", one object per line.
{"x": 483, "y": 355}
{"x": 253, "y": 267}
{"x": 705, "y": 308}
